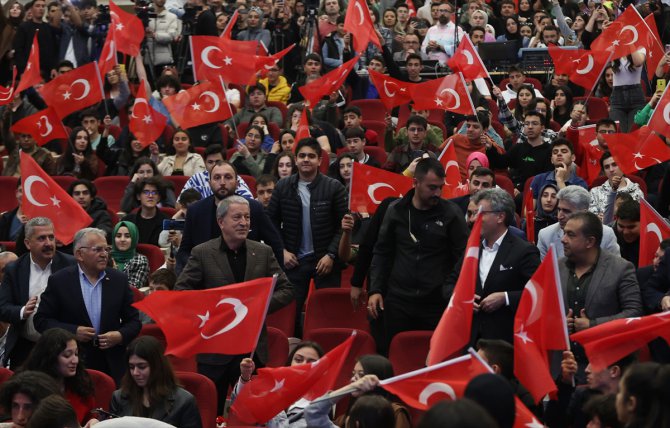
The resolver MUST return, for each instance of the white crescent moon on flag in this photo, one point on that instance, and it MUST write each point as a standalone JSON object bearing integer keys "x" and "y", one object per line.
{"x": 139, "y": 101}
{"x": 112, "y": 49}
{"x": 27, "y": 189}
{"x": 455, "y": 94}
{"x": 215, "y": 100}
{"x": 204, "y": 56}
{"x": 373, "y": 188}
{"x": 653, "y": 228}
{"x": 434, "y": 388}
{"x": 389, "y": 94}
{"x": 47, "y": 125}
{"x": 666, "y": 113}
{"x": 633, "y": 30}
{"x": 534, "y": 315}
{"x": 241, "y": 312}
{"x": 87, "y": 88}
{"x": 452, "y": 164}
{"x": 468, "y": 56}
{"x": 361, "y": 16}
{"x": 588, "y": 68}
{"x": 8, "y": 95}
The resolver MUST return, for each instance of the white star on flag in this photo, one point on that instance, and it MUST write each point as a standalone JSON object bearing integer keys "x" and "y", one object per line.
{"x": 203, "y": 319}
{"x": 195, "y": 106}
{"x": 147, "y": 119}
{"x": 438, "y": 102}
{"x": 55, "y": 201}
{"x": 28, "y": 66}
{"x": 228, "y": 60}
{"x": 66, "y": 95}
{"x": 523, "y": 335}
{"x": 119, "y": 27}
{"x": 278, "y": 385}
{"x": 638, "y": 155}
{"x": 616, "y": 43}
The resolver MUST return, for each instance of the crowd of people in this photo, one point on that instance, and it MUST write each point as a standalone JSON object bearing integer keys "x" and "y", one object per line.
{"x": 258, "y": 200}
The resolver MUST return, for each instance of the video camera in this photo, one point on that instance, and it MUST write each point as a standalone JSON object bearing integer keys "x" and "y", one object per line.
{"x": 145, "y": 11}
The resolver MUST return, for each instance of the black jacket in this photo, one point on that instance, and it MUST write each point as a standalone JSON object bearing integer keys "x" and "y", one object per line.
{"x": 101, "y": 218}
{"x": 417, "y": 270}
{"x": 179, "y": 409}
{"x": 328, "y": 204}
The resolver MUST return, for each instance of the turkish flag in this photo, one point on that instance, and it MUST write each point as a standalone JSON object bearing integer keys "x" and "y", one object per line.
{"x": 128, "y": 30}
{"x": 251, "y": 47}
{"x": 655, "y": 49}
{"x": 275, "y": 389}
{"x": 584, "y": 67}
{"x": 108, "y": 57}
{"x": 43, "y": 197}
{"x": 7, "y": 94}
{"x": 31, "y": 75}
{"x": 74, "y": 91}
{"x": 452, "y": 333}
{"x": 328, "y": 83}
{"x": 529, "y": 214}
{"x": 466, "y": 60}
{"x": 449, "y": 93}
{"x": 43, "y": 126}
{"x": 411, "y": 7}
{"x": 524, "y": 418}
{"x": 653, "y": 230}
{"x": 223, "y": 320}
{"x": 264, "y": 63}
{"x": 370, "y": 186}
{"x": 303, "y": 126}
{"x": 392, "y": 92}
{"x": 540, "y": 326}
{"x": 590, "y": 165}
{"x": 609, "y": 342}
{"x": 422, "y": 388}
{"x": 624, "y": 36}
{"x": 660, "y": 119}
{"x": 145, "y": 123}
{"x": 200, "y": 104}
{"x": 357, "y": 22}
{"x": 214, "y": 57}
{"x": 637, "y": 150}
{"x": 449, "y": 161}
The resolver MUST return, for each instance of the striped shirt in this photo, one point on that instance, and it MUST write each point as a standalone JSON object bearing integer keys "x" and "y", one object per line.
{"x": 200, "y": 182}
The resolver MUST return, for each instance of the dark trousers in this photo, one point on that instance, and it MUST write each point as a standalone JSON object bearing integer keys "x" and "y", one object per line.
{"x": 403, "y": 315}
{"x": 224, "y": 376}
{"x": 300, "y": 277}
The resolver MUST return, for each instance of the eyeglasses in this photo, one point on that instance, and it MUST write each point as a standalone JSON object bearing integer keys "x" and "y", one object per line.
{"x": 444, "y": 11}
{"x": 415, "y": 129}
{"x": 534, "y": 123}
{"x": 98, "y": 250}
{"x": 606, "y": 131}
{"x": 150, "y": 192}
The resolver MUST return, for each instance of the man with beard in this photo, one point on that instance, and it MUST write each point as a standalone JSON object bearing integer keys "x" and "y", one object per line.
{"x": 440, "y": 41}
{"x": 23, "y": 283}
{"x": 421, "y": 232}
{"x": 201, "y": 225}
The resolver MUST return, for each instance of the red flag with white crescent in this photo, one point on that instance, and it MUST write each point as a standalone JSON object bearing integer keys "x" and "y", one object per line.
{"x": 7, "y": 94}
{"x": 540, "y": 326}
{"x": 328, "y": 83}
{"x": 74, "y": 90}
{"x": 625, "y": 35}
{"x": 659, "y": 121}
{"x": 637, "y": 150}
{"x": 653, "y": 229}
{"x": 466, "y": 59}
{"x": 128, "y": 30}
{"x": 449, "y": 161}
{"x": 31, "y": 75}
{"x": 43, "y": 197}
{"x": 43, "y": 126}
{"x": 200, "y": 104}
{"x": 590, "y": 166}
{"x": 357, "y": 21}
{"x": 448, "y": 93}
{"x": 145, "y": 123}
{"x": 392, "y": 92}
{"x": 223, "y": 320}
{"x": 582, "y": 66}
{"x": 370, "y": 186}
{"x": 108, "y": 57}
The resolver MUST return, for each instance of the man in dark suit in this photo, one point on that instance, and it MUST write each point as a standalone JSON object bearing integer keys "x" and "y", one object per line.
{"x": 229, "y": 259}
{"x": 506, "y": 263}
{"x": 23, "y": 283}
{"x": 94, "y": 303}
{"x": 201, "y": 224}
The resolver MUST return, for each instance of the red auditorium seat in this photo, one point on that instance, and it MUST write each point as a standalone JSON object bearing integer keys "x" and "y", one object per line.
{"x": 331, "y": 307}
{"x": 278, "y": 347}
{"x": 205, "y": 395}
{"x": 418, "y": 342}
{"x": 103, "y": 386}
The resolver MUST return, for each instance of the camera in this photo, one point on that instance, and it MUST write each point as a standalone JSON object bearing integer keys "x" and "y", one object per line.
{"x": 145, "y": 11}
{"x": 104, "y": 17}
{"x": 190, "y": 13}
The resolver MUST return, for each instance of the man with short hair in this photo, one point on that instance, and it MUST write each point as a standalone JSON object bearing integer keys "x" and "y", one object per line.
{"x": 410, "y": 45}
{"x": 148, "y": 218}
{"x": 506, "y": 263}
{"x": 517, "y": 79}
{"x": 356, "y": 140}
{"x": 104, "y": 321}
{"x": 564, "y": 173}
{"x": 27, "y": 145}
{"x": 421, "y": 232}
{"x": 213, "y": 156}
{"x": 352, "y": 117}
{"x": 441, "y": 39}
{"x": 277, "y": 85}
{"x": 22, "y": 393}
{"x": 481, "y": 178}
{"x": 477, "y": 35}
{"x": 336, "y": 48}
{"x": 23, "y": 283}
{"x": 603, "y": 196}
{"x": 572, "y": 200}
{"x": 201, "y": 225}
{"x": 307, "y": 208}
{"x": 627, "y": 230}
{"x": 475, "y": 139}
{"x": 233, "y": 258}
{"x": 265, "y": 185}
{"x": 403, "y": 154}
{"x": 46, "y": 39}
{"x": 85, "y": 193}
{"x": 90, "y": 120}
{"x": 592, "y": 152}
{"x": 163, "y": 30}
{"x": 332, "y": 12}
{"x": 256, "y": 104}
{"x": 312, "y": 68}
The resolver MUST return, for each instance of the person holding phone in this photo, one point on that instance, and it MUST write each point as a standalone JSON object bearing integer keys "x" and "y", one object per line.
{"x": 602, "y": 197}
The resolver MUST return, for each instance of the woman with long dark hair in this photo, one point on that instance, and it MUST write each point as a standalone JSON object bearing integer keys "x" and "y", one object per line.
{"x": 56, "y": 353}
{"x": 562, "y": 104}
{"x": 145, "y": 168}
{"x": 149, "y": 389}
{"x": 79, "y": 159}
{"x": 184, "y": 161}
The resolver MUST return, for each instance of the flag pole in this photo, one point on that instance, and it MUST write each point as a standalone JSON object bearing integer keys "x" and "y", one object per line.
{"x": 609, "y": 58}
{"x": 265, "y": 314}
{"x": 424, "y": 370}
{"x": 223, "y": 84}
{"x": 102, "y": 88}
{"x": 474, "y": 353}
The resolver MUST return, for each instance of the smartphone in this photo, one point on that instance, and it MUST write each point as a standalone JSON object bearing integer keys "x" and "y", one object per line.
{"x": 171, "y": 224}
{"x": 122, "y": 67}
{"x": 660, "y": 85}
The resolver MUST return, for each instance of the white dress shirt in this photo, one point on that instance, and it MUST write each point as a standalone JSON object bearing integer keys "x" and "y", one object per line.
{"x": 486, "y": 259}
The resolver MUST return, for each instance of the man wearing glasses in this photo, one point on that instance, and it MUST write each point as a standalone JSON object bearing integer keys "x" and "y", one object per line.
{"x": 23, "y": 282}
{"x": 417, "y": 145}
{"x": 506, "y": 263}
{"x": 440, "y": 41}
{"x": 149, "y": 218}
{"x": 93, "y": 302}
{"x": 410, "y": 45}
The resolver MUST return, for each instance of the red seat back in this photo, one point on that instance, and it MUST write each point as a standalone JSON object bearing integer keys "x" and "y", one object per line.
{"x": 251, "y": 182}
{"x": 178, "y": 181}
{"x": 505, "y": 183}
{"x": 379, "y": 127}
{"x": 110, "y": 190}
{"x": 404, "y": 361}
{"x": 204, "y": 391}
{"x": 154, "y": 254}
{"x": 64, "y": 181}
{"x": 372, "y": 109}
{"x": 154, "y": 331}
{"x": 331, "y": 307}
{"x": 278, "y": 347}
{"x": 9, "y": 245}
{"x": 104, "y": 386}
{"x": 596, "y": 107}
{"x": 8, "y": 193}
{"x": 5, "y": 374}
{"x": 183, "y": 364}
{"x": 283, "y": 319}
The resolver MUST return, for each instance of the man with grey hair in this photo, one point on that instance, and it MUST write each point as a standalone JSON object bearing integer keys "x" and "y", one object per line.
{"x": 571, "y": 200}
{"x": 230, "y": 259}
{"x": 24, "y": 281}
{"x": 92, "y": 302}
{"x": 506, "y": 263}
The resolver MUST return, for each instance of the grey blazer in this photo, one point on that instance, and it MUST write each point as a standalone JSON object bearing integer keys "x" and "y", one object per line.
{"x": 613, "y": 292}
{"x": 208, "y": 267}
{"x": 552, "y": 235}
